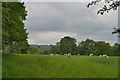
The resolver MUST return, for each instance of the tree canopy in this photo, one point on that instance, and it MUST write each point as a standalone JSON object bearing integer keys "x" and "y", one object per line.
{"x": 55, "y": 50}
{"x": 110, "y": 5}
{"x": 68, "y": 45}
{"x": 97, "y": 48}
{"x": 86, "y": 47}
{"x": 89, "y": 46}
{"x": 13, "y": 28}
{"x": 115, "y": 49}
{"x": 102, "y": 48}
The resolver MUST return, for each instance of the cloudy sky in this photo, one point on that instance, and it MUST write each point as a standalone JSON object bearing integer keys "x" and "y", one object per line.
{"x": 48, "y": 22}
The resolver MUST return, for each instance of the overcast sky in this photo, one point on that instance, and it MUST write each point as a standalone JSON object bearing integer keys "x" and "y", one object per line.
{"x": 48, "y": 22}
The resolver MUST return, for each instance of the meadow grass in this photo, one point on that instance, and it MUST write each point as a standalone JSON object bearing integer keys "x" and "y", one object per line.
{"x": 0, "y": 65}
{"x": 59, "y": 66}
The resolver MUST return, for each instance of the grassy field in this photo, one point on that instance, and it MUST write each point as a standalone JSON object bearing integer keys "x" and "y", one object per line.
{"x": 59, "y": 66}
{"x": 0, "y": 66}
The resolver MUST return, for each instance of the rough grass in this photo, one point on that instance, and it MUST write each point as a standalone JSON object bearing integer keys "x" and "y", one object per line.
{"x": 59, "y": 66}
{"x": 0, "y": 65}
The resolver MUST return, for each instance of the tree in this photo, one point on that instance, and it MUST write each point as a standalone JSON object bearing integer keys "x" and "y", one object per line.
{"x": 33, "y": 50}
{"x": 17, "y": 48}
{"x": 55, "y": 50}
{"x": 68, "y": 45}
{"x": 91, "y": 47}
{"x": 13, "y": 28}
{"x": 102, "y": 48}
{"x": 58, "y": 44}
{"x": 46, "y": 52}
{"x": 86, "y": 47}
{"x": 115, "y": 49}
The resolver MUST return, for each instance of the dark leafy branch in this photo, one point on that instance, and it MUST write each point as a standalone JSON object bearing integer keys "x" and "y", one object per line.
{"x": 112, "y": 5}
{"x": 116, "y": 31}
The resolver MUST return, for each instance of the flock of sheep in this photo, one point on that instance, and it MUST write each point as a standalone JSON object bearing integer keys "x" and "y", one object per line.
{"x": 69, "y": 55}
{"x": 100, "y": 55}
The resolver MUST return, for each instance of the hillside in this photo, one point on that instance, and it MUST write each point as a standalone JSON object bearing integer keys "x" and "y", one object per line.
{"x": 42, "y": 46}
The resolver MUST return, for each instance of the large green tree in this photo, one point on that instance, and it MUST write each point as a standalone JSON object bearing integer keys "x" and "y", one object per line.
{"x": 102, "y": 48}
{"x": 13, "y": 28}
{"x": 115, "y": 49}
{"x": 86, "y": 47}
{"x": 55, "y": 50}
{"x": 97, "y": 48}
{"x": 68, "y": 45}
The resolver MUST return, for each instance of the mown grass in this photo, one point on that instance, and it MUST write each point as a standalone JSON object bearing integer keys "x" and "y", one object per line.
{"x": 59, "y": 66}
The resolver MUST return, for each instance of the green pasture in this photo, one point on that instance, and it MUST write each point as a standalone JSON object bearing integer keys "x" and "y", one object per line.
{"x": 58, "y": 66}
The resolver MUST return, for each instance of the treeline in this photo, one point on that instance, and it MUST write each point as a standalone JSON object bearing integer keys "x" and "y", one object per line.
{"x": 68, "y": 45}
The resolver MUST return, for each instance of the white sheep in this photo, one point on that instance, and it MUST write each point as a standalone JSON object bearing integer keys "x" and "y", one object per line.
{"x": 51, "y": 54}
{"x": 91, "y": 55}
{"x": 69, "y": 54}
{"x": 105, "y": 55}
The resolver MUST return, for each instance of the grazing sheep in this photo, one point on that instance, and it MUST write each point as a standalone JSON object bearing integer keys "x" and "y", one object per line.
{"x": 78, "y": 54}
{"x": 100, "y": 55}
{"x": 51, "y": 54}
{"x": 105, "y": 55}
{"x": 69, "y": 54}
{"x": 91, "y": 55}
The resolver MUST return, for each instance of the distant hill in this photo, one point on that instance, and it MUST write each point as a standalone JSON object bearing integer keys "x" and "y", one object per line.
{"x": 42, "y": 46}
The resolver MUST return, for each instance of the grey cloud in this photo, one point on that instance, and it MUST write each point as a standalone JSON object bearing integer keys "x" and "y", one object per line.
{"x": 69, "y": 18}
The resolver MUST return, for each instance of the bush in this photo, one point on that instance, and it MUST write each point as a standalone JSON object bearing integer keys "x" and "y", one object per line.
{"x": 33, "y": 50}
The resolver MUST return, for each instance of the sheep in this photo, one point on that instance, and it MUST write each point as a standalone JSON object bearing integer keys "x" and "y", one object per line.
{"x": 51, "y": 54}
{"x": 78, "y": 54}
{"x": 91, "y": 55}
{"x": 100, "y": 55}
{"x": 69, "y": 54}
{"x": 105, "y": 55}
